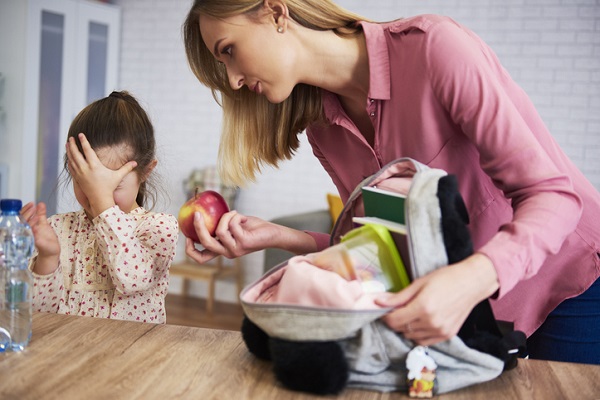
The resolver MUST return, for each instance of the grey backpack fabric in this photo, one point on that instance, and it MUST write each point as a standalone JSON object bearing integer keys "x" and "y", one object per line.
{"x": 324, "y": 350}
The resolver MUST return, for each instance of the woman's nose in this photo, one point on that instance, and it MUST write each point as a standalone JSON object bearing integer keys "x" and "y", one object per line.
{"x": 236, "y": 79}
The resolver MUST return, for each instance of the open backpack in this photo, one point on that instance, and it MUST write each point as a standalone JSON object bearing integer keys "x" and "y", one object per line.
{"x": 336, "y": 341}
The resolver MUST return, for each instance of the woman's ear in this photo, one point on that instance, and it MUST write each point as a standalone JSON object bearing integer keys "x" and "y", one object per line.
{"x": 279, "y": 13}
{"x": 149, "y": 170}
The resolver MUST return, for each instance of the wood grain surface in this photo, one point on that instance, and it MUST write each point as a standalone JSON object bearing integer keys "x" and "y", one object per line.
{"x": 88, "y": 358}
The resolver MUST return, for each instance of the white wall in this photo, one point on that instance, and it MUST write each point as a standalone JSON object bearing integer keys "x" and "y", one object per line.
{"x": 551, "y": 47}
{"x": 12, "y": 90}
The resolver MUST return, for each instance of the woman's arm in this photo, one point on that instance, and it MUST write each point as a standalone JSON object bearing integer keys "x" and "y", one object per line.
{"x": 516, "y": 151}
{"x": 237, "y": 235}
{"x": 513, "y": 147}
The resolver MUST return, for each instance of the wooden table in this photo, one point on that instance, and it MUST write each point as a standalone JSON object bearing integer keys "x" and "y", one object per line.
{"x": 87, "y": 358}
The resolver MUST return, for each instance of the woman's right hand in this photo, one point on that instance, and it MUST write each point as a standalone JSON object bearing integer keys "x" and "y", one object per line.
{"x": 46, "y": 241}
{"x": 237, "y": 235}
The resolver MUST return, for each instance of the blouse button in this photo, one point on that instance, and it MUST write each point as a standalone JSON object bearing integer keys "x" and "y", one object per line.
{"x": 372, "y": 114}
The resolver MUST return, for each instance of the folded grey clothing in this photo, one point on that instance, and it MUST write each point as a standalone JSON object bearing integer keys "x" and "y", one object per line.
{"x": 377, "y": 361}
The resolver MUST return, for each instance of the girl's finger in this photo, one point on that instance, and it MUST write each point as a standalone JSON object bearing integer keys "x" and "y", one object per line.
{"x": 88, "y": 152}
{"x": 127, "y": 168}
{"x": 42, "y": 213}
{"x": 74, "y": 156}
{"x": 27, "y": 210}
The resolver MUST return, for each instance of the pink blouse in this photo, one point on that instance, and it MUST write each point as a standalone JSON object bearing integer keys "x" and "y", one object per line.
{"x": 438, "y": 94}
{"x": 116, "y": 266}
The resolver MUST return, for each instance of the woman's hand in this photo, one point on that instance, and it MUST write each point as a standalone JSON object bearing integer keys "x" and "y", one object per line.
{"x": 434, "y": 307}
{"x": 237, "y": 235}
{"x": 95, "y": 180}
{"x": 46, "y": 241}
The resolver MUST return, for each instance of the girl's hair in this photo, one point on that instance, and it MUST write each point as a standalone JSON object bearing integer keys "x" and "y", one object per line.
{"x": 119, "y": 120}
{"x": 256, "y": 132}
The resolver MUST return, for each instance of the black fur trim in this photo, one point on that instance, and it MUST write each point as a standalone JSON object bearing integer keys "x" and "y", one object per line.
{"x": 455, "y": 218}
{"x": 257, "y": 341}
{"x": 313, "y": 367}
{"x": 480, "y": 330}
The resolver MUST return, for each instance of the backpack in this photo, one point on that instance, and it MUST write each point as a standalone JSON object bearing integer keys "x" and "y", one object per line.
{"x": 323, "y": 349}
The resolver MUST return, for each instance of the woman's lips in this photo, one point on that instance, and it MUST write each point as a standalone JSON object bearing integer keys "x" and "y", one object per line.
{"x": 256, "y": 88}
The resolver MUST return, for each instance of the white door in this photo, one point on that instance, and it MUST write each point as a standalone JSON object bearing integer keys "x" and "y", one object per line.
{"x": 73, "y": 49}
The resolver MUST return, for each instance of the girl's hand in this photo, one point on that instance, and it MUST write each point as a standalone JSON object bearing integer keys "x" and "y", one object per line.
{"x": 237, "y": 235}
{"x": 46, "y": 241}
{"x": 97, "y": 182}
{"x": 434, "y": 307}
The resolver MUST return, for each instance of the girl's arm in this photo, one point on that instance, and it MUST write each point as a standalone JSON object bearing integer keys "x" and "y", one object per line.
{"x": 139, "y": 252}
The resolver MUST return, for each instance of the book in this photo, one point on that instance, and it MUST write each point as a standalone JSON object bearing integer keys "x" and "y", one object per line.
{"x": 383, "y": 204}
{"x": 399, "y": 236}
{"x": 390, "y": 225}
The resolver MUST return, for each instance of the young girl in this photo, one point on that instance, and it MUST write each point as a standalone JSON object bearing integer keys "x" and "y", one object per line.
{"x": 111, "y": 259}
{"x": 423, "y": 87}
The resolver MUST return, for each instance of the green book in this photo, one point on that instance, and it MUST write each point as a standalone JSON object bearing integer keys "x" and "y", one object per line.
{"x": 383, "y": 204}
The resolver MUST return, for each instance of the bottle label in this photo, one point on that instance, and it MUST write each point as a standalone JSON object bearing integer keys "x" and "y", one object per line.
{"x": 16, "y": 292}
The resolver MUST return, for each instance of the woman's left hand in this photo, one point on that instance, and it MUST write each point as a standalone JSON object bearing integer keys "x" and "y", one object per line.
{"x": 433, "y": 308}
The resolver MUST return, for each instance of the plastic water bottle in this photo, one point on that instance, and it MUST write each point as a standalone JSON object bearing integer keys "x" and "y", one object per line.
{"x": 16, "y": 281}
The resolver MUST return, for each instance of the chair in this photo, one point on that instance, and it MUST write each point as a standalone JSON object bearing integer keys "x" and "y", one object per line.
{"x": 210, "y": 272}
{"x": 208, "y": 179}
{"x": 315, "y": 221}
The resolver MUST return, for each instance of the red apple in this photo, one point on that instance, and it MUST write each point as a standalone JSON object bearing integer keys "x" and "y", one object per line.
{"x": 210, "y": 204}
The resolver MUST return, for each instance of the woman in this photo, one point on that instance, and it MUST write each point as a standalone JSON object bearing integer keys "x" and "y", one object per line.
{"x": 422, "y": 87}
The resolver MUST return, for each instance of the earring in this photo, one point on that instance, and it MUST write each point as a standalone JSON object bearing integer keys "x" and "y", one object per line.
{"x": 280, "y": 29}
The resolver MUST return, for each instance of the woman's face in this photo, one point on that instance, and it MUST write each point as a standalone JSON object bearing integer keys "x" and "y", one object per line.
{"x": 254, "y": 54}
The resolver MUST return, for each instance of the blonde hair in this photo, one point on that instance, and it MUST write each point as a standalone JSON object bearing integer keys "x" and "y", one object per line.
{"x": 256, "y": 132}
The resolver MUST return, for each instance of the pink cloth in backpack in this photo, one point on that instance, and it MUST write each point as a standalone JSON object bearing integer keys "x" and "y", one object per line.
{"x": 304, "y": 284}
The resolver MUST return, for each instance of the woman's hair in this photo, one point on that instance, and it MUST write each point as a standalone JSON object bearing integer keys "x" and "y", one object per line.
{"x": 256, "y": 132}
{"x": 119, "y": 120}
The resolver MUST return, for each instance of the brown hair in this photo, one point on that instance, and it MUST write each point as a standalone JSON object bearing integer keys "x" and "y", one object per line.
{"x": 120, "y": 120}
{"x": 256, "y": 132}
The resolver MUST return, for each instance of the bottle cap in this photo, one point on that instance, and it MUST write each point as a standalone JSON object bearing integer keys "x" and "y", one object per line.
{"x": 11, "y": 205}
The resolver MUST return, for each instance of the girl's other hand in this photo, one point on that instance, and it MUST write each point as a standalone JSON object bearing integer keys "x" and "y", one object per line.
{"x": 45, "y": 238}
{"x": 46, "y": 241}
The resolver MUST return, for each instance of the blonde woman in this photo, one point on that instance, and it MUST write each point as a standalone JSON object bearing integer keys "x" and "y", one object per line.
{"x": 424, "y": 87}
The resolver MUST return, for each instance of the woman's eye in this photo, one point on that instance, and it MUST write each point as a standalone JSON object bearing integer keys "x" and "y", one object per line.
{"x": 226, "y": 50}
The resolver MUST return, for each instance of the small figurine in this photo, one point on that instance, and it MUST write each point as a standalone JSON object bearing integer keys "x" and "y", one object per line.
{"x": 421, "y": 373}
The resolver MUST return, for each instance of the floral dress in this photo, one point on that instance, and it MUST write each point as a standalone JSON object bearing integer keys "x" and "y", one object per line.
{"x": 116, "y": 266}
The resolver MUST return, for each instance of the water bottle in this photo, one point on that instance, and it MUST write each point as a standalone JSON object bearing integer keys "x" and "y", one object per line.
{"x": 16, "y": 281}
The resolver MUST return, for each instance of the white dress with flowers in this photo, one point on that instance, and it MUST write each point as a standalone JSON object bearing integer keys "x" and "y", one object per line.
{"x": 116, "y": 266}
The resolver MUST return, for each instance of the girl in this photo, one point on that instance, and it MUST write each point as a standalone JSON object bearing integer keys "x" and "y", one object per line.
{"x": 423, "y": 87}
{"x": 111, "y": 259}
